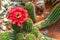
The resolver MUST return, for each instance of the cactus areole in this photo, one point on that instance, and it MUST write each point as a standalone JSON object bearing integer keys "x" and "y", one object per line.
{"x": 18, "y": 15}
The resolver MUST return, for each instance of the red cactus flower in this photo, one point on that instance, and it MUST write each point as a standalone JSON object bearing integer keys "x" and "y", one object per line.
{"x": 18, "y": 15}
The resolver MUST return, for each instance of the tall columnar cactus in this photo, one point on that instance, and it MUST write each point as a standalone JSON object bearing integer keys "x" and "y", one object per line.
{"x": 31, "y": 10}
{"x": 19, "y": 36}
{"x": 7, "y": 36}
{"x": 35, "y": 31}
{"x": 30, "y": 37}
{"x": 28, "y": 25}
{"x": 54, "y": 16}
{"x": 51, "y": 19}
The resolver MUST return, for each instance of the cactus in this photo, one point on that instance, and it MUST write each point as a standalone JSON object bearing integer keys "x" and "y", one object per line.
{"x": 19, "y": 36}
{"x": 31, "y": 10}
{"x": 7, "y": 36}
{"x": 44, "y": 23}
{"x": 54, "y": 16}
{"x": 16, "y": 28}
{"x": 35, "y": 31}
{"x": 42, "y": 37}
{"x": 28, "y": 25}
{"x": 51, "y": 19}
{"x": 30, "y": 37}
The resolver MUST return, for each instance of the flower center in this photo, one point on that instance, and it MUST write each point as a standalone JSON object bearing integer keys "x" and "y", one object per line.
{"x": 18, "y": 15}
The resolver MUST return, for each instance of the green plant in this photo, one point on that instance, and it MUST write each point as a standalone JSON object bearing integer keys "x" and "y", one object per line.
{"x": 19, "y": 36}
{"x": 30, "y": 37}
{"x": 35, "y": 31}
{"x": 16, "y": 28}
{"x": 7, "y": 36}
{"x": 42, "y": 37}
{"x": 54, "y": 16}
{"x": 28, "y": 25}
{"x": 31, "y": 10}
{"x": 51, "y": 19}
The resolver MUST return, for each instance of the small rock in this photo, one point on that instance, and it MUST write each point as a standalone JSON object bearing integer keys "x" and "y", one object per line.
{"x": 5, "y": 19}
{"x": 5, "y": 5}
{"x": 47, "y": 14}
{"x": 41, "y": 4}
{"x": 3, "y": 27}
{"x": 46, "y": 32}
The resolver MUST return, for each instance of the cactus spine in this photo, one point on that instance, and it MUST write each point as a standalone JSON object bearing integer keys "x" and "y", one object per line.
{"x": 31, "y": 10}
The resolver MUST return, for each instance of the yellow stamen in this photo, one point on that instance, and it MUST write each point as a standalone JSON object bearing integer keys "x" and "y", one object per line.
{"x": 18, "y": 15}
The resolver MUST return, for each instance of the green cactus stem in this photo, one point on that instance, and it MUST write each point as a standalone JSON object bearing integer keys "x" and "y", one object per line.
{"x": 28, "y": 25}
{"x": 7, "y": 36}
{"x": 19, "y": 36}
{"x": 51, "y": 19}
{"x": 16, "y": 28}
{"x": 35, "y": 31}
{"x": 30, "y": 37}
{"x": 42, "y": 37}
{"x": 31, "y": 10}
{"x": 54, "y": 16}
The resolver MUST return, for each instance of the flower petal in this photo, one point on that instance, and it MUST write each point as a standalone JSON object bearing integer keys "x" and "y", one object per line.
{"x": 15, "y": 21}
{"x": 18, "y": 24}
